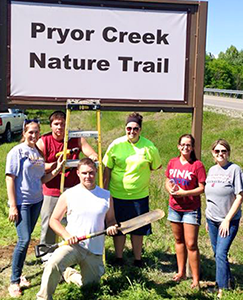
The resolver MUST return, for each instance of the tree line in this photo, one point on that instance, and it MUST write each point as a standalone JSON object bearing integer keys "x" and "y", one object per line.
{"x": 225, "y": 71}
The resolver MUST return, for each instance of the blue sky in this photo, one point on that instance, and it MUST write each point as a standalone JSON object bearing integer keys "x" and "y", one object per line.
{"x": 225, "y": 25}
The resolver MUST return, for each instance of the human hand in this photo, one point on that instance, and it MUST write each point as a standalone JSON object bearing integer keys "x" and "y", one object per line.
{"x": 179, "y": 192}
{"x": 112, "y": 230}
{"x": 173, "y": 186}
{"x": 60, "y": 163}
{"x": 72, "y": 240}
{"x": 94, "y": 157}
{"x": 13, "y": 215}
{"x": 206, "y": 227}
{"x": 224, "y": 228}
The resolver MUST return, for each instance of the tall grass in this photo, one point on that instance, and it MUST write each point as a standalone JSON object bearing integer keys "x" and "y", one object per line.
{"x": 154, "y": 281}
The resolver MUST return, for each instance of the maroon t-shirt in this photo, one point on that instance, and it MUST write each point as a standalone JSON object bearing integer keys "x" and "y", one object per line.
{"x": 187, "y": 176}
{"x": 51, "y": 148}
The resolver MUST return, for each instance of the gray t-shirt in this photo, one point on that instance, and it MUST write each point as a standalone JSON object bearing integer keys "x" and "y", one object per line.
{"x": 27, "y": 165}
{"x": 222, "y": 185}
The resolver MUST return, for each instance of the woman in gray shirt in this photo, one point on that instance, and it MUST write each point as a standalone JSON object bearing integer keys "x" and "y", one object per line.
{"x": 224, "y": 191}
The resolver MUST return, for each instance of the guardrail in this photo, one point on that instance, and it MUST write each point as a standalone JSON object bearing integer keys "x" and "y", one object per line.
{"x": 219, "y": 92}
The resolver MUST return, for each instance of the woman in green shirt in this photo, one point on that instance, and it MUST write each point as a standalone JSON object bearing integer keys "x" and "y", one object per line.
{"x": 128, "y": 163}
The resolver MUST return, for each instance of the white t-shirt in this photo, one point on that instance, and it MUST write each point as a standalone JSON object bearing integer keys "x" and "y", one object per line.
{"x": 86, "y": 212}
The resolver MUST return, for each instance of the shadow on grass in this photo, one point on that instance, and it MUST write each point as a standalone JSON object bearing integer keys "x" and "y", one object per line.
{"x": 155, "y": 280}
{"x": 123, "y": 282}
{"x": 208, "y": 268}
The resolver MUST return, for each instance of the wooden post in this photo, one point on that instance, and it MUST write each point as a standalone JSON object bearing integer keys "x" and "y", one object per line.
{"x": 197, "y": 115}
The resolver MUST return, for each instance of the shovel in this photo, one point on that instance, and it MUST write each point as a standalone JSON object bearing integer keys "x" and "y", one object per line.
{"x": 124, "y": 227}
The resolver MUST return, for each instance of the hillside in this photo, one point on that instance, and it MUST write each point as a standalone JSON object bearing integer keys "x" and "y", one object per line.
{"x": 154, "y": 281}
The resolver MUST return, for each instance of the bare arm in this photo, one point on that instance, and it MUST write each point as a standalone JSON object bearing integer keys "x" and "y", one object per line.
{"x": 88, "y": 150}
{"x": 111, "y": 220}
{"x": 167, "y": 185}
{"x": 224, "y": 226}
{"x": 184, "y": 193}
{"x": 48, "y": 166}
{"x": 13, "y": 211}
{"x": 47, "y": 177}
{"x": 55, "y": 221}
{"x": 106, "y": 177}
{"x": 160, "y": 167}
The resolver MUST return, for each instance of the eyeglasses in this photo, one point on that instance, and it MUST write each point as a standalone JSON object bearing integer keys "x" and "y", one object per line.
{"x": 217, "y": 151}
{"x": 135, "y": 129}
{"x": 185, "y": 145}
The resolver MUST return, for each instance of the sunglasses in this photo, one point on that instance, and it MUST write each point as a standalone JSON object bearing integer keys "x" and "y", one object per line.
{"x": 223, "y": 151}
{"x": 28, "y": 121}
{"x": 135, "y": 129}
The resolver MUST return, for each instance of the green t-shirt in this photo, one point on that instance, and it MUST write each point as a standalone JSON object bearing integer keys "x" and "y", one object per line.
{"x": 131, "y": 165}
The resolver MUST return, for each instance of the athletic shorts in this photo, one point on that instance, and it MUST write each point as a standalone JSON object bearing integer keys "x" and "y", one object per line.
{"x": 128, "y": 209}
{"x": 188, "y": 217}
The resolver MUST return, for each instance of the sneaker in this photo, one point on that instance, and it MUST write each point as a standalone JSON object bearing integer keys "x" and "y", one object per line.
{"x": 24, "y": 282}
{"x": 14, "y": 290}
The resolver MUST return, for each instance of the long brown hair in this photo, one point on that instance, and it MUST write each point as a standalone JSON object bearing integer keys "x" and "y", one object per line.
{"x": 189, "y": 136}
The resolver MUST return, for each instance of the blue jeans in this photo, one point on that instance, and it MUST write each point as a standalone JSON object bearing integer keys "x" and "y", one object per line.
{"x": 28, "y": 216}
{"x": 221, "y": 246}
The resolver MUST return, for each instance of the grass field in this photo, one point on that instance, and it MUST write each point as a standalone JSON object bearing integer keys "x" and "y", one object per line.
{"x": 154, "y": 281}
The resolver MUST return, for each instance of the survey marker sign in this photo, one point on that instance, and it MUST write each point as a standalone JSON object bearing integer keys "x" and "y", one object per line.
{"x": 118, "y": 53}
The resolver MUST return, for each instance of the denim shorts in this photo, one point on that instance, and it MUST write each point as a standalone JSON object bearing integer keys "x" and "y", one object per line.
{"x": 188, "y": 217}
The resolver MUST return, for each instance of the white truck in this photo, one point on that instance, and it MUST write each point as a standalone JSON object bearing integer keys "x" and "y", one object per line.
{"x": 11, "y": 121}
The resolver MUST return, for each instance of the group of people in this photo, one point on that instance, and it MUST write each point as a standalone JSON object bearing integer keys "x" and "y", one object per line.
{"x": 128, "y": 163}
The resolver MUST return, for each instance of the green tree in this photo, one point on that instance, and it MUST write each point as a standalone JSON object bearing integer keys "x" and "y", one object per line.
{"x": 220, "y": 75}
{"x": 226, "y": 71}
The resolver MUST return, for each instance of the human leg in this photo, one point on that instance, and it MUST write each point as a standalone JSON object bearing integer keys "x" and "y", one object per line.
{"x": 48, "y": 236}
{"x": 28, "y": 215}
{"x": 181, "y": 253}
{"x": 191, "y": 237}
{"x": 213, "y": 228}
{"x": 62, "y": 258}
{"x": 92, "y": 267}
{"x": 137, "y": 245}
{"x": 223, "y": 274}
{"x": 119, "y": 243}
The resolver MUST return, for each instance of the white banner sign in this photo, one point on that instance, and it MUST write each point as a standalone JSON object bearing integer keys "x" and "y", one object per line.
{"x": 91, "y": 52}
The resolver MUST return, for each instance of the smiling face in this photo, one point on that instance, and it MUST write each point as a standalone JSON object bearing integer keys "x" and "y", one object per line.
{"x": 185, "y": 147}
{"x": 87, "y": 174}
{"x": 133, "y": 132}
{"x": 58, "y": 127}
{"x": 31, "y": 134}
{"x": 220, "y": 155}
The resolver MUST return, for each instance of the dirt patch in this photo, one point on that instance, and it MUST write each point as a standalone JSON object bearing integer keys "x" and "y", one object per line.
{"x": 6, "y": 253}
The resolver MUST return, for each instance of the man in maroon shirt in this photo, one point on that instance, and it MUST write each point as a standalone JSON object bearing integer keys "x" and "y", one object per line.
{"x": 50, "y": 144}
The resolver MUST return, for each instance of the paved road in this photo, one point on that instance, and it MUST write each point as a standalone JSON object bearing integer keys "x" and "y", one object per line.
{"x": 222, "y": 102}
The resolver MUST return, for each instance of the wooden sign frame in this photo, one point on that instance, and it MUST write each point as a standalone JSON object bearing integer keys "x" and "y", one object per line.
{"x": 194, "y": 65}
